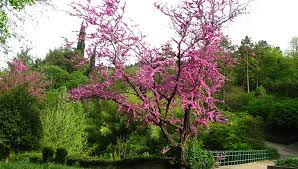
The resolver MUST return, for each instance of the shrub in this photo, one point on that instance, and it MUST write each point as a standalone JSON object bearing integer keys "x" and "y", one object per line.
{"x": 236, "y": 98}
{"x": 280, "y": 116}
{"x": 47, "y": 154}
{"x": 289, "y": 162}
{"x": 56, "y": 75}
{"x": 34, "y": 157}
{"x": 4, "y": 152}
{"x": 60, "y": 156}
{"x": 241, "y": 132}
{"x": 260, "y": 91}
{"x": 197, "y": 158}
{"x": 20, "y": 125}
{"x": 68, "y": 121}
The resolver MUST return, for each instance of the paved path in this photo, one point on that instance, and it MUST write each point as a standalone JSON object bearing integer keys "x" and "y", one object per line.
{"x": 255, "y": 165}
{"x": 285, "y": 150}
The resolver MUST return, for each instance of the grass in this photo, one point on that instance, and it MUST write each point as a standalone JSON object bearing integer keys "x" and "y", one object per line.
{"x": 25, "y": 165}
{"x": 288, "y": 162}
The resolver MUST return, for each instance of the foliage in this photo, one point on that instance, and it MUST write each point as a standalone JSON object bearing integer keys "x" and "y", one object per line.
{"x": 56, "y": 75}
{"x": 60, "y": 77}
{"x": 240, "y": 132}
{"x": 61, "y": 156}
{"x": 76, "y": 79}
{"x": 289, "y": 162}
{"x": 236, "y": 99}
{"x": 134, "y": 145}
{"x": 25, "y": 165}
{"x": 3, "y": 27}
{"x": 66, "y": 59}
{"x": 266, "y": 66}
{"x": 25, "y": 57}
{"x": 20, "y": 124}
{"x": 26, "y": 157}
{"x": 47, "y": 154}
{"x": 104, "y": 125}
{"x": 63, "y": 122}
{"x": 107, "y": 130}
{"x": 280, "y": 116}
{"x": 197, "y": 158}
{"x": 260, "y": 91}
{"x": 293, "y": 49}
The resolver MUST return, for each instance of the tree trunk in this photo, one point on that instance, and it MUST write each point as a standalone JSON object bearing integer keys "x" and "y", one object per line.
{"x": 182, "y": 158}
{"x": 247, "y": 76}
{"x": 183, "y": 139}
{"x": 92, "y": 63}
{"x": 257, "y": 81}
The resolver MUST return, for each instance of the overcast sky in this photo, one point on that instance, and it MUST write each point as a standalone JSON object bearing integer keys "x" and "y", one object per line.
{"x": 272, "y": 20}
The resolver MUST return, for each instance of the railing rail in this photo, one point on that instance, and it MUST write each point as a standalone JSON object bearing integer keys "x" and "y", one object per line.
{"x": 239, "y": 157}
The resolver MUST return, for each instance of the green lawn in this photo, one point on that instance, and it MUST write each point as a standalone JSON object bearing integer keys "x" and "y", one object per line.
{"x": 24, "y": 165}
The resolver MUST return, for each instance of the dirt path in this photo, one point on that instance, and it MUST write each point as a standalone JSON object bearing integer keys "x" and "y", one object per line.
{"x": 255, "y": 165}
{"x": 285, "y": 150}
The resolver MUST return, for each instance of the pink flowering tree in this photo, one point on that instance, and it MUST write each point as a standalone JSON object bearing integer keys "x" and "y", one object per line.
{"x": 173, "y": 87}
{"x": 20, "y": 75}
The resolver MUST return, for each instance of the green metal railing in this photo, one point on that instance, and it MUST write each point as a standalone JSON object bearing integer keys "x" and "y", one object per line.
{"x": 239, "y": 157}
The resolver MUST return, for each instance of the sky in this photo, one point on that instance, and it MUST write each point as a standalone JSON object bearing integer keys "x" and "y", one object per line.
{"x": 46, "y": 28}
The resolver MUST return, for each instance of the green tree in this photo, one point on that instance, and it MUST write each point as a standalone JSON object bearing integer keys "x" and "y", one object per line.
{"x": 246, "y": 59}
{"x": 63, "y": 122}
{"x": 293, "y": 48}
{"x": 60, "y": 77}
{"x": 66, "y": 59}
{"x": 81, "y": 41}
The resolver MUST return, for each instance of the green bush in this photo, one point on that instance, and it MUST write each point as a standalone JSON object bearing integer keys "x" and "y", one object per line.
{"x": 47, "y": 154}
{"x": 60, "y": 77}
{"x": 20, "y": 126}
{"x": 197, "y": 158}
{"x": 61, "y": 156}
{"x": 236, "y": 98}
{"x": 241, "y": 132}
{"x": 34, "y": 157}
{"x": 63, "y": 122}
{"x": 4, "y": 152}
{"x": 56, "y": 75}
{"x": 289, "y": 162}
{"x": 280, "y": 116}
